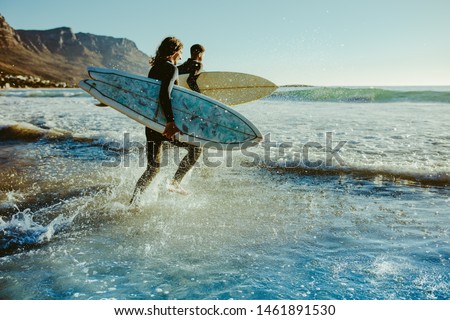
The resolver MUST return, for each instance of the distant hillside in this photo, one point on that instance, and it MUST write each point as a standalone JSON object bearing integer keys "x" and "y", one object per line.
{"x": 59, "y": 55}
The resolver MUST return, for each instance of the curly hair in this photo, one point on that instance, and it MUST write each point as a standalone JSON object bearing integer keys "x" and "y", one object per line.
{"x": 167, "y": 48}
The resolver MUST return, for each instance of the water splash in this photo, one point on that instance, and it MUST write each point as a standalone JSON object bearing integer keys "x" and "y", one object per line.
{"x": 21, "y": 231}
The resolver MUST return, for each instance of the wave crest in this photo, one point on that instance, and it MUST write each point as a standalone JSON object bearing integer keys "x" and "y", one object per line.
{"x": 27, "y": 132}
{"x": 361, "y": 95}
{"x": 431, "y": 179}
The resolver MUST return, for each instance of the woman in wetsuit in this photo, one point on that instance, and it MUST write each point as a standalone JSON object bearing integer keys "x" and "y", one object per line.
{"x": 164, "y": 69}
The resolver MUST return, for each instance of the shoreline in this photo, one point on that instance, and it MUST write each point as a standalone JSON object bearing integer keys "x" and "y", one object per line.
{"x": 8, "y": 81}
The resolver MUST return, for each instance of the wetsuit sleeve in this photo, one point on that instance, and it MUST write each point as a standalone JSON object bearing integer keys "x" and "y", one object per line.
{"x": 193, "y": 68}
{"x": 192, "y": 82}
{"x": 167, "y": 82}
{"x": 193, "y": 75}
{"x": 183, "y": 68}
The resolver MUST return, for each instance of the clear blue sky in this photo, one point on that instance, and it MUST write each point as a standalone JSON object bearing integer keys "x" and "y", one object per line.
{"x": 329, "y": 42}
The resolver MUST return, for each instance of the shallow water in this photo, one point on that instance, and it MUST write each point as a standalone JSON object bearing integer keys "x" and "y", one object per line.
{"x": 261, "y": 225}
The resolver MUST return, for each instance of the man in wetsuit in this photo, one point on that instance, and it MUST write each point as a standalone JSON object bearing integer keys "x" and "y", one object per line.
{"x": 193, "y": 66}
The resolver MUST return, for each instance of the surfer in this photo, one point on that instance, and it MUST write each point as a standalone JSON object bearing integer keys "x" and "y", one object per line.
{"x": 193, "y": 66}
{"x": 164, "y": 69}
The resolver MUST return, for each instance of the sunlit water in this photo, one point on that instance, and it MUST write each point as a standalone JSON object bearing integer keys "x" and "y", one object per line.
{"x": 374, "y": 224}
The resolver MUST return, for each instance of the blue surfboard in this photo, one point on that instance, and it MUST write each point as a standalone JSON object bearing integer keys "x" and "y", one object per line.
{"x": 203, "y": 121}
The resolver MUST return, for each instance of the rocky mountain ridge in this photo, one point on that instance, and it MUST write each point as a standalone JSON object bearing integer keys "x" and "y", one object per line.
{"x": 59, "y": 57}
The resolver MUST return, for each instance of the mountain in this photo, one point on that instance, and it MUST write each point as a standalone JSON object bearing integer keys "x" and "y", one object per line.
{"x": 60, "y": 55}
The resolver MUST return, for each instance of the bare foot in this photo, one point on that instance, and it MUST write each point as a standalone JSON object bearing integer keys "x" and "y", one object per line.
{"x": 175, "y": 187}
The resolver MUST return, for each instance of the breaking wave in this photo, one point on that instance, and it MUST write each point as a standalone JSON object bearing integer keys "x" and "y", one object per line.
{"x": 27, "y": 132}
{"x": 360, "y": 95}
{"x": 425, "y": 179}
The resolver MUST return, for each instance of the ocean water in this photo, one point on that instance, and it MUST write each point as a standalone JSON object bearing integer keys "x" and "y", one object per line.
{"x": 347, "y": 198}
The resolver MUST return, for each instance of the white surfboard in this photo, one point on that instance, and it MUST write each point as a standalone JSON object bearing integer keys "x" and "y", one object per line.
{"x": 203, "y": 121}
{"x": 231, "y": 88}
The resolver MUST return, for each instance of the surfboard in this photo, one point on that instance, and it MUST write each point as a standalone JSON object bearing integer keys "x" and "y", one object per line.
{"x": 231, "y": 88}
{"x": 203, "y": 121}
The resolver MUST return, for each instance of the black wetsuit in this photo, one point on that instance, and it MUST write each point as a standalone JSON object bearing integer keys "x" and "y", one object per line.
{"x": 167, "y": 73}
{"x": 194, "y": 68}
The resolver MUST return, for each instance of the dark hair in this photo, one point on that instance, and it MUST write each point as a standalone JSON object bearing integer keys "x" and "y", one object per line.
{"x": 167, "y": 48}
{"x": 196, "y": 49}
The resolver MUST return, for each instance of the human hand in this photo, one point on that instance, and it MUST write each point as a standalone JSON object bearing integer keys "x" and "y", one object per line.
{"x": 170, "y": 130}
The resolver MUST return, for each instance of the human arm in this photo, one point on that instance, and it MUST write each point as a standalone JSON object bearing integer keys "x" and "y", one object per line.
{"x": 193, "y": 68}
{"x": 167, "y": 83}
{"x": 192, "y": 82}
{"x": 170, "y": 130}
